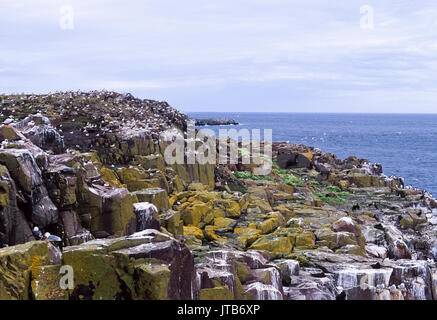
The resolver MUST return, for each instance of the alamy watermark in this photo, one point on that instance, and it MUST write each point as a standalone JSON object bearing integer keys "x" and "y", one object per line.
{"x": 233, "y": 146}
{"x": 66, "y": 20}
{"x": 367, "y": 18}
{"x": 67, "y": 280}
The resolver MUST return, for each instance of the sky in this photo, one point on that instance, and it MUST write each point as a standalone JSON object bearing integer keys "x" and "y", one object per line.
{"x": 228, "y": 55}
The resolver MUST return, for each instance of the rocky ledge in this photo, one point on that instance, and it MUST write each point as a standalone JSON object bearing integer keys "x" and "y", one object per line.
{"x": 83, "y": 185}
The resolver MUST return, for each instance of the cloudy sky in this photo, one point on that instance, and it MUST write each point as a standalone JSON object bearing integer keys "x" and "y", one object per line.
{"x": 227, "y": 55}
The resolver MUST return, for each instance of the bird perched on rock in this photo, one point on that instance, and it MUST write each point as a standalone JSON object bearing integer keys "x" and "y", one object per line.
{"x": 401, "y": 286}
{"x": 392, "y": 287}
{"x": 380, "y": 286}
{"x": 51, "y": 237}
{"x": 8, "y": 121}
{"x": 37, "y": 233}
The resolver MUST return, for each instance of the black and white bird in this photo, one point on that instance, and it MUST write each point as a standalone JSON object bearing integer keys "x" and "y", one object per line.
{"x": 52, "y": 237}
{"x": 37, "y": 233}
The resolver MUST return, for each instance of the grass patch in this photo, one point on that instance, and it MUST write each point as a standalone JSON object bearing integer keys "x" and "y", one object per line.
{"x": 334, "y": 189}
{"x": 280, "y": 171}
{"x": 340, "y": 197}
{"x": 292, "y": 180}
{"x": 288, "y": 178}
{"x": 330, "y": 200}
{"x": 249, "y": 175}
{"x": 315, "y": 183}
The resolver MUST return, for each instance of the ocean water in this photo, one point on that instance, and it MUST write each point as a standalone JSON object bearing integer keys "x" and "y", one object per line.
{"x": 405, "y": 144}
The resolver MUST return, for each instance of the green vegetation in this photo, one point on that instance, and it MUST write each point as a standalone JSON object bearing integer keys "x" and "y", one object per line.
{"x": 292, "y": 180}
{"x": 288, "y": 178}
{"x": 280, "y": 171}
{"x": 333, "y": 195}
{"x": 243, "y": 152}
{"x": 315, "y": 182}
{"x": 249, "y": 175}
{"x": 328, "y": 199}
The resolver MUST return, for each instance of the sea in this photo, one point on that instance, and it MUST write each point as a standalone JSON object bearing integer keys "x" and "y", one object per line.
{"x": 404, "y": 144}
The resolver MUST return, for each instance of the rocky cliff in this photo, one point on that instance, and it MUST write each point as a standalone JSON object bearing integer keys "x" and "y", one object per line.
{"x": 83, "y": 184}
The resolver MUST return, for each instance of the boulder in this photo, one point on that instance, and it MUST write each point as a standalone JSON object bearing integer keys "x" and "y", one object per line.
{"x": 151, "y": 162}
{"x": 144, "y": 265}
{"x": 135, "y": 178}
{"x": 18, "y": 263}
{"x": 195, "y": 214}
{"x": 45, "y": 284}
{"x": 399, "y": 250}
{"x": 273, "y": 244}
{"x": 288, "y": 159}
{"x": 147, "y": 216}
{"x": 156, "y": 196}
{"x": 260, "y": 291}
{"x": 38, "y": 129}
{"x": 14, "y": 228}
{"x": 110, "y": 209}
{"x": 153, "y": 281}
{"x": 172, "y": 222}
{"x": 376, "y": 251}
{"x": 61, "y": 182}
{"x": 27, "y": 175}
{"x": 307, "y": 287}
{"x": 9, "y": 133}
{"x": 74, "y": 233}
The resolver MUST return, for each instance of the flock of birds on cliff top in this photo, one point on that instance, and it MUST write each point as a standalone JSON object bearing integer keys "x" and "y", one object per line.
{"x": 102, "y": 111}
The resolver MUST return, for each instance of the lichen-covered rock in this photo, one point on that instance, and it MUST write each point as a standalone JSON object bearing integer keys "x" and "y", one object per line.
{"x": 46, "y": 283}
{"x": 151, "y": 162}
{"x": 274, "y": 244}
{"x": 111, "y": 209}
{"x": 305, "y": 240}
{"x": 217, "y": 293}
{"x": 172, "y": 222}
{"x": 135, "y": 178}
{"x": 17, "y": 263}
{"x": 9, "y": 133}
{"x": 195, "y": 214}
{"x": 193, "y": 231}
{"x": 231, "y": 208}
{"x": 247, "y": 236}
{"x": 153, "y": 281}
{"x": 61, "y": 182}
{"x": 110, "y": 268}
{"x": 156, "y": 196}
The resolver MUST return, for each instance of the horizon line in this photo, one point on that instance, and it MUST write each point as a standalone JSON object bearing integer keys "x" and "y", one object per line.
{"x": 315, "y": 112}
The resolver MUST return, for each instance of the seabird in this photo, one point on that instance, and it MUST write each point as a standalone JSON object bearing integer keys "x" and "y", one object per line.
{"x": 53, "y": 238}
{"x": 401, "y": 286}
{"x": 8, "y": 121}
{"x": 37, "y": 234}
